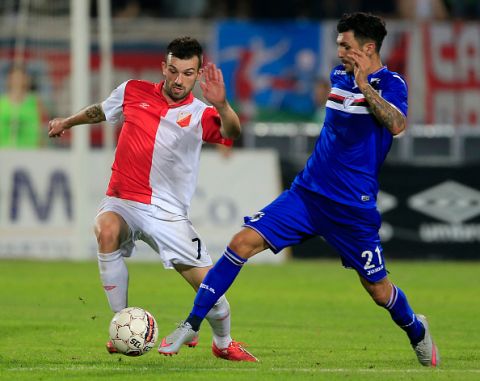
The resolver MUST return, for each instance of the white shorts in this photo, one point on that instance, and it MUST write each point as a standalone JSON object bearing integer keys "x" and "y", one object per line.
{"x": 172, "y": 236}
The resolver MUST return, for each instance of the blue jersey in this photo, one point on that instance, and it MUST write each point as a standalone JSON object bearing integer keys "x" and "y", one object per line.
{"x": 352, "y": 145}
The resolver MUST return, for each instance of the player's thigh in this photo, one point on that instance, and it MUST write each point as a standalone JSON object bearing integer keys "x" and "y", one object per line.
{"x": 359, "y": 247}
{"x": 123, "y": 216}
{"x": 363, "y": 255}
{"x": 284, "y": 222}
{"x": 178, "y": 243}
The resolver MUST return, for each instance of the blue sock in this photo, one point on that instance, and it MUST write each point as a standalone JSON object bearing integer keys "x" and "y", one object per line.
{"x": 403, "y": 315}
{"x": 216, "y": 283}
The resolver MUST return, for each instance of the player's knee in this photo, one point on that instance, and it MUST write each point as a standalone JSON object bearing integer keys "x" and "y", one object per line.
{"x": 243, "y": 244}
{"x": 379, "y": 301}
{"x": 380, "y": 296}
{"x": 107, "y": 236}
{"x": 379, "y": 292}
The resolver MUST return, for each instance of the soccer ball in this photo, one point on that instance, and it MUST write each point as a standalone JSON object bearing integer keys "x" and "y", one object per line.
{"x": 133, "y": 331}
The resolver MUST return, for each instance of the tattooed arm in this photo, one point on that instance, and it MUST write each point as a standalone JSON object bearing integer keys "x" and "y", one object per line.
{"x": 387, "y": 114}
{"x": 90, "y": 114}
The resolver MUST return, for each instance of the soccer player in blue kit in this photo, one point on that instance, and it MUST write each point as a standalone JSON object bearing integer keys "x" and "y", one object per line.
{"x": 334, "y": 196}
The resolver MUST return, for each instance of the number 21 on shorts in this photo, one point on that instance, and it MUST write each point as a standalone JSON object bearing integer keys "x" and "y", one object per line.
{"x": 369, "y": 258}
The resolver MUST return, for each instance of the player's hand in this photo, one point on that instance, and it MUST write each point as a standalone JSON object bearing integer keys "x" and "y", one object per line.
{"x": 361, "y": 65}
{"x": 213, "y": 86}
{"x": 57, "y": 127}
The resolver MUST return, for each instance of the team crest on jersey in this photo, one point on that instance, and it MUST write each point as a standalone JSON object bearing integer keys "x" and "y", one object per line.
{"x": 184, "y": 118}
{"x": 256, "y": 216}
{"x": 348, "y": 101}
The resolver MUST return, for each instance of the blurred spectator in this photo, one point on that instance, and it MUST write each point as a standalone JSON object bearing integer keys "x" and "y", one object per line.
{"x": 333, "y": 9}
{"x": 156, "y": 8}
{"x": 184, "y": 8}
{"x": 384, "y": 8}
{"x": 126, "y": 9}
{"x": 422, "y": 10}
{"x": 321, "y": 92}
{"x": 238, "y": 9}
{"x": 21, "y": 112}
{"x": 132, "y": 8}
{"x": 464, "y": 9}
{"x": 38, "y": 7}
{"x": 271, "y": 9}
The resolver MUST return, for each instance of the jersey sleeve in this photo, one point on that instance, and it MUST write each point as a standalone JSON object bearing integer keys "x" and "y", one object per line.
{"x": 396, "y": 93}
{"x": 113, "y": 106}
{"x": 211, "y": 124}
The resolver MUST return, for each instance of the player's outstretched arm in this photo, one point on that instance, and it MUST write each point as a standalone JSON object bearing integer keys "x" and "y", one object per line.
{"x": 90, "y": 114}
{"x": 213, "y": 89}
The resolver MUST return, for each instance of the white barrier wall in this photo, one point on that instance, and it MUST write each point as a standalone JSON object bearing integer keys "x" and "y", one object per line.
{"x": 37, "y": 215}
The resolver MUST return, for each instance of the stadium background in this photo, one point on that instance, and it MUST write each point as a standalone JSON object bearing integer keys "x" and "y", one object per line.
{"x": 272, "y": 57}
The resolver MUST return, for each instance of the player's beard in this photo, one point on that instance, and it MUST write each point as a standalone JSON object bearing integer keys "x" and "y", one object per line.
{"x": 348, "y": 66}
{"x": 176, "y": 96}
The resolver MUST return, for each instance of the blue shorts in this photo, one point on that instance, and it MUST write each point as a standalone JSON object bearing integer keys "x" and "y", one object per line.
{"x": 298, "y": 214}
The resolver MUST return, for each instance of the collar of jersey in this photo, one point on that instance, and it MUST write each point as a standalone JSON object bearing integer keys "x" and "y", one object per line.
{"x": 187, "y": 100}
{"x": 376, "y": 72}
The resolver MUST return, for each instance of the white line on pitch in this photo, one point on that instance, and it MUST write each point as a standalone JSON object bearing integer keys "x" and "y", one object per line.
{"x": 280, "y": 370}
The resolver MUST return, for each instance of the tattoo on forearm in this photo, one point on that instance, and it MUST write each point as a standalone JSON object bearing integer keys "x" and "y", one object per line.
{"x": 95, "y": 113}
{"x": 385, "y": 113}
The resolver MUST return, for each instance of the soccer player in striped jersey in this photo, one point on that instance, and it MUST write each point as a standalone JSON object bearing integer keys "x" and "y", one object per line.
{"x": 334, "y": 196}
{"x": 154, "y": 176}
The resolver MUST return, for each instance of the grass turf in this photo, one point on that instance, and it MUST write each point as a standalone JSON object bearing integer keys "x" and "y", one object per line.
{"x": 304, "y": 320}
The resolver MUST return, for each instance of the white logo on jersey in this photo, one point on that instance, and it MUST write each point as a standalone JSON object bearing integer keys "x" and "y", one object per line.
{"x": 144, "y": 105}
{"x": 365, "y": 198}
{"x": 375, "y": 82}
{"x": 256, "y": 216}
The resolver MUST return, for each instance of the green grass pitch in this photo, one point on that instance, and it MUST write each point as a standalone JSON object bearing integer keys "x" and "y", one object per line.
{"x": 305, "y": 320}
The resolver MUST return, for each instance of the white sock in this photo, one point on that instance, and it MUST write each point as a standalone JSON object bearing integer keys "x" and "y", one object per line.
{"x": 114, "y": 277}
{"x": 219, "y": 320}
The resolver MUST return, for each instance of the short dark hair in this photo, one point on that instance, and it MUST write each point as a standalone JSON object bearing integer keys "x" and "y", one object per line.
{"x": 365, "y": 26}
{"x": 185, "y": 48}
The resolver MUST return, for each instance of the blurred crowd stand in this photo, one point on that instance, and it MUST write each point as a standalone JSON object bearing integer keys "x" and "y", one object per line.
{"x": 268, "y": 9}
{"x": 298, "y": 9}
{"x": 21, "y": 98}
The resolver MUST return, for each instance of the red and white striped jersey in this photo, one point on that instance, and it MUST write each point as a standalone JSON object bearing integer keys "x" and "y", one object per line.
{"x": 158, "y": 151}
